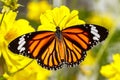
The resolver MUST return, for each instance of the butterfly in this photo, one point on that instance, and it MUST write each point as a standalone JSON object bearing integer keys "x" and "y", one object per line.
{"x": 53, "y": 49}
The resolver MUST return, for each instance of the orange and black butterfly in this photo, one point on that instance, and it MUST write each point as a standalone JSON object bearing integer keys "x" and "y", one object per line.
{"x": 53, "y": 49}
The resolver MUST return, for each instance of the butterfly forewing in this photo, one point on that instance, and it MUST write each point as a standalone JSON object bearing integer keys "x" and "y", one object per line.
{"x": 28, "y": 42}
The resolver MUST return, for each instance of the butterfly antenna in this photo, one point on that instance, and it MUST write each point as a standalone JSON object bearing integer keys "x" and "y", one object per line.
{"x": 70, "y": 19}
{"x": 54, "y": 22}
{"x": 49, "y": 20}
{"x": 61, "y": 21}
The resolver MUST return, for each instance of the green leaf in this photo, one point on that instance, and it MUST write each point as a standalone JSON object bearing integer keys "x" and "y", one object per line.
{"x": 2, "y": 78}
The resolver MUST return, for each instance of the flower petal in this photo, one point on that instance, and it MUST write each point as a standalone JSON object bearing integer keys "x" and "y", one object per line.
{"x": 59, "y": 17}
{"x": 107, "y": 71}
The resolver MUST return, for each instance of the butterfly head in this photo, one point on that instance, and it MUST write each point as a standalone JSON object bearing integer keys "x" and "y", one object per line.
{"x": 57, "y": 28}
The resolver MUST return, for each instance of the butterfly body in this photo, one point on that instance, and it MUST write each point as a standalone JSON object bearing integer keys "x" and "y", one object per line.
{"x": 58, "y": 33}
{"x": 53, "y": 49}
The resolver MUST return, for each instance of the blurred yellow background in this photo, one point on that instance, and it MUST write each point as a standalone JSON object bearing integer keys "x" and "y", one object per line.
{"x": 101, "y": 62}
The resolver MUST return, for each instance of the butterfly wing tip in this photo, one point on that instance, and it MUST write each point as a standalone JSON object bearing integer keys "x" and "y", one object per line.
{"x": 104, "y": 35}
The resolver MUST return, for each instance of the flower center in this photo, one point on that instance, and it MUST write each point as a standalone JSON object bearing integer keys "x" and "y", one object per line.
{"x": 10, "y": 35}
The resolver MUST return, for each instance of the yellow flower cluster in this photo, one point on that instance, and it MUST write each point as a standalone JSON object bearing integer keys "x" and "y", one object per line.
{"x": 11, "y": 28}
{"x": 112, "y": 70}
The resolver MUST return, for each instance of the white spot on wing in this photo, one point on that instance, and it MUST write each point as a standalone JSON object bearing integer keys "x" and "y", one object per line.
{"x": 94, "y": 31}
{"x": 95, "y": 34}
{"x": 21, "y": 40}
{"x": 22, "y": 49}
{"x": 21, "y": 43}
{"x": 95, "y": 38}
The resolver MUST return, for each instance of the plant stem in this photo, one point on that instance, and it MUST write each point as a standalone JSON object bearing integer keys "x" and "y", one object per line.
{"x": 21, "y": 68}
{"x": 2, "y": 18}
{"x": 102, "y": 49}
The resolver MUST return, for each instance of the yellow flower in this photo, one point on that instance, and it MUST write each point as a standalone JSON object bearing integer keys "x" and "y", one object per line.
{"x": 112, "y": 70}
{"x": 32, "y": 72}
{"x": 35, "y": 9}
{"x": 61, "y": 17}
{"x": 9, "y": 30}
{"x": 103, "y": 20}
